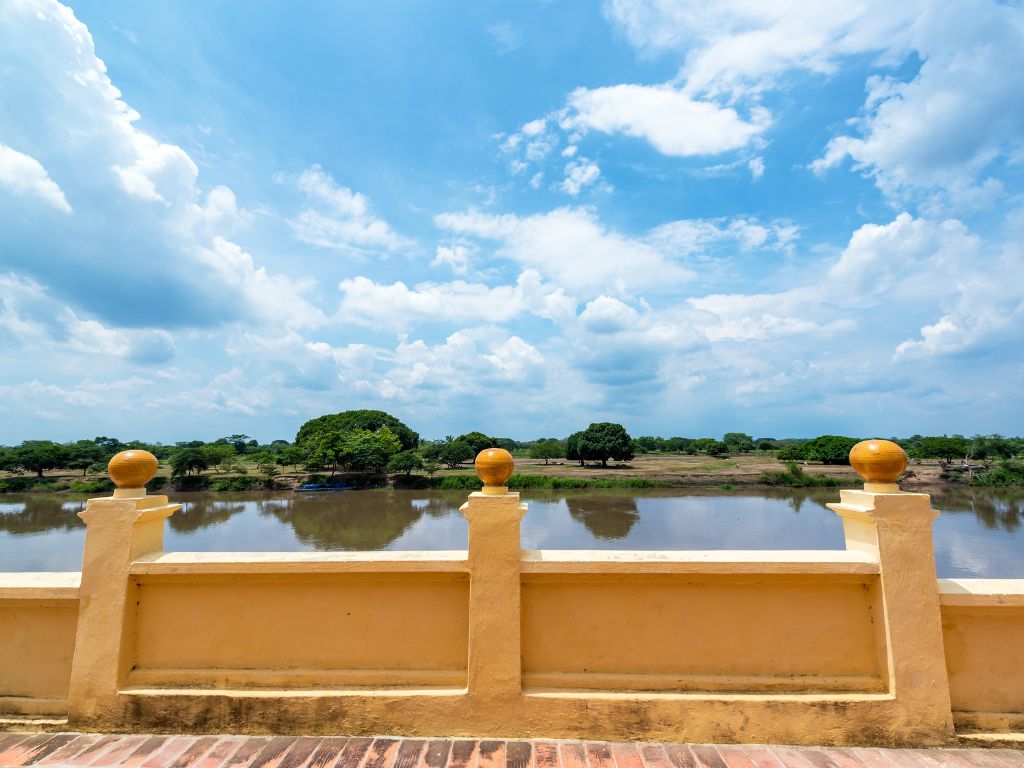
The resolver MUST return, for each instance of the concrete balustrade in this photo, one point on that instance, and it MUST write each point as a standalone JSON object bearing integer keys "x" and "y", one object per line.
{"x": 862, "y": 645}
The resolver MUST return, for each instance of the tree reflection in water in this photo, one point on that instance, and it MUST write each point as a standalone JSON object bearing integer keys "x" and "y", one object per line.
{"x": 356, "y": 521}
{"x": 607, "y": 517}
{"x": 40, "y": 513}
{"x": 203, "y": 512}
{"x": 995, "y": 508}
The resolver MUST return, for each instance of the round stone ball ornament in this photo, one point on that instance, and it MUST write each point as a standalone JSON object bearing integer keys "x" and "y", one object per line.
{"x": 494, "y": 467}
{"x": 132, "y": 469}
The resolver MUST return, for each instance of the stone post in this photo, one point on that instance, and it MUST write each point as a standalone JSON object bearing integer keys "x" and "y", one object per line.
{"x": 119, "y": 529}
{"x": 495, "y": 555}
{"x": 896, "y": 528}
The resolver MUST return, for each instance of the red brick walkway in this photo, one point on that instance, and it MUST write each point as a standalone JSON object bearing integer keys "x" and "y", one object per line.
{"x": 72, "y": 749}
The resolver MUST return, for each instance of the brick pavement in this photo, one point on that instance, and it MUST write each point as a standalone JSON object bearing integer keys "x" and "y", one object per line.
{"x": 75, "y": 749}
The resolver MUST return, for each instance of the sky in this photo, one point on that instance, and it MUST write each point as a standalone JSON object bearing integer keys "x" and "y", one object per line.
{"x": 781, "y": 218}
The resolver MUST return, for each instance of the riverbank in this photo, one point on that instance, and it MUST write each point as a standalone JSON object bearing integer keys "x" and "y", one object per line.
{"x": 648, "y": 471}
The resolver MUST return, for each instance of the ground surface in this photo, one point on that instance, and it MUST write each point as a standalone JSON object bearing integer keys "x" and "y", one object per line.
{"x": 662, "y": 469}
{"x": 290, "y": 752}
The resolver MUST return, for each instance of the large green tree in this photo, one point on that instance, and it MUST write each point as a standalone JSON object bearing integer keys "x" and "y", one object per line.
{"x": 37, "y": 456}
{"x": 83, "y": 454}
{"x": 547, "y": 448}
{"x": 185, "y": 461}
{"x": 605, "y": 440}
{"x": 478, "y": 441}
{"x": 572, "y": 447}
{"x": 349, "y": 421}
{"x": 369, "y": 451}
{"x": 455, "y": 452}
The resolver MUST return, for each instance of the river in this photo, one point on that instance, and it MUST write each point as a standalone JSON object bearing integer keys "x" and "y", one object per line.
{"x": 978, "y": 534}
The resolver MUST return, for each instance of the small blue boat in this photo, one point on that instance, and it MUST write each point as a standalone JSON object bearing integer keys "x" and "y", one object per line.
{"x": 323, "y": 487}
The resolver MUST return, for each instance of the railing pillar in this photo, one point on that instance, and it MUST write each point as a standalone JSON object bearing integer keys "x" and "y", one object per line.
{"x": 896, "y": 528}
{"x": 119, "y": 529}
{"x": 495, "y": 556}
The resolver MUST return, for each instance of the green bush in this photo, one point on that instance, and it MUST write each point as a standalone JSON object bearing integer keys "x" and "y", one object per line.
{"x": 795, "y": 477}
{"x": 1005, "y": 473}
{"x": 238, "y": 483}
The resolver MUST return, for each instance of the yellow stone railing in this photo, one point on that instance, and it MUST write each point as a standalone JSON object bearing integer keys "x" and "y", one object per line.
{"x": 850, "y": 646}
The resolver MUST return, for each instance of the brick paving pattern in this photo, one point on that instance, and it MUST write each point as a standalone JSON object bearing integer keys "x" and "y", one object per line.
{"x": 73, "y": 749}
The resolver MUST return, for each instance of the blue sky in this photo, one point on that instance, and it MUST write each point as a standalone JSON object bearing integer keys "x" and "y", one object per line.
{"x": 781, "y": 218}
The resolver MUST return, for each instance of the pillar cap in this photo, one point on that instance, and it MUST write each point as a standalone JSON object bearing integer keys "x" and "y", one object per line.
{"x": 132, "y": 469}
{"x": 879, "y": 462}
{"x": 494, "y": 466}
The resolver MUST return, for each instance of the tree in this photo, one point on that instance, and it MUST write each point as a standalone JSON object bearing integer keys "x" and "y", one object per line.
{"x": 82, "y": 454}
{"x": 945, "y": 448}
{"x": 605, "y": 440}
{"x": 366, "y": 451}
{"x": 547, "y": 448}
{"x": 218, "y": 454}
{"x": 349, "y": 421}
{"x": 572, "y": 447}
{"x": 37, "y": 456}
{"x": 185, "y": 461}
{"x": 738, "y": 442}
{"x": 455, "y": 452}
{"x": 478, "y": 441}
{"x": 291, "y": 456}
{"x": 715, "y": 448}
{"x": 405, "y": 463}
{"x": 828, "y": 449}
{"x": 237, "y": 442}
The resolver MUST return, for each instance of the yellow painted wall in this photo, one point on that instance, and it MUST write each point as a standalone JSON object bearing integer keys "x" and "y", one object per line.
{"x": 985, "y": 657}
{"x": 37, "y": 642}
{"x": 690, "y": 632}
{"x": 319, "y": 630}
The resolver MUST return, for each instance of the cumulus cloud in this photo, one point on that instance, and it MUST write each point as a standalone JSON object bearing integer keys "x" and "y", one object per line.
{"x": 399, "y": 306}
{"x": 30, "y": 317}
{"x": 340, "y": 219}
{"x": 571, "y": 248}
{"x": 938, "y": 134}
{"x": 671, "y": 121}
{"x": 25, "y": 175}
{"x": 141, "y": 244}
{"x": 579, "y": 174}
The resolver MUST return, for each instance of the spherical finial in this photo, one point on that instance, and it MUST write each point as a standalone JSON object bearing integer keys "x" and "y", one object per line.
{"x": 494, "y": 467}
{"x": 879, "y": 462}
{"x": 132, "y": 469}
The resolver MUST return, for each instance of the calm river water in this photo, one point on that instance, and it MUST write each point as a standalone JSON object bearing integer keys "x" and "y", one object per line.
{"x": 978, "y": 534}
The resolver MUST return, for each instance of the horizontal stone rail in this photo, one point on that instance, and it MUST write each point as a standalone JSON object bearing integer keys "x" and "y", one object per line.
{"x": 861, "y": 645}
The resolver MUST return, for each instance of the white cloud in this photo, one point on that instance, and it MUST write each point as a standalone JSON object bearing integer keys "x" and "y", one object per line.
{"x": 696, "y": 237}
{"x": 673, "y": 122}
{"x": 397, "y": 305}
{"x": 32, "y": 319}
{"x": 572, "y": 249}
{"x": 606, "y": 314}
{"x": 578, "y": 174}
{"x": 25, "y": 175}
{"x": 734, "y": 47}
{"x": 340, "y": 219}
{"x": 140, "y": 217}
{"x": 455, "y": 256}
{"x": 938, "y": 134}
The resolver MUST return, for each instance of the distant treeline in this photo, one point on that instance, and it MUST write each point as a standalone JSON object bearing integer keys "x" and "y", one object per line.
{"x": 375, "y": 442}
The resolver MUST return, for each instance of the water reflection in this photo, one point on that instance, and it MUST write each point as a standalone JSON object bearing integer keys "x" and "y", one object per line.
{"x": 980, "y": 533}
{"x": 356, "y": 521}
{"x": 606, "y": 517}
{"x": 995, "y": 508}
{"x": 39, "y": 513}
{"x": 203, "y": 513}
